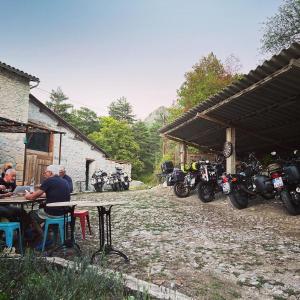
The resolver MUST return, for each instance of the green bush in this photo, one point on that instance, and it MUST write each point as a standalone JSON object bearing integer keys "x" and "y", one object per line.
{"x": 35, "y": 278}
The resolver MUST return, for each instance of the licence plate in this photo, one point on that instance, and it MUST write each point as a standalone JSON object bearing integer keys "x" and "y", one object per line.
{"x": 226, "y": 187}
{"x": 277, "y": 182}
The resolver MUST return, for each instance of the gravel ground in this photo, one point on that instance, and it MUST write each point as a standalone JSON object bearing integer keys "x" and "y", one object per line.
{"x": 204, "y": 250}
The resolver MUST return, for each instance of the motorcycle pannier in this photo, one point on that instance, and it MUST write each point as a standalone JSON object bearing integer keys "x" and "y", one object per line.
{"x": 167, "y": 167}
{"x": 292, "y": 174}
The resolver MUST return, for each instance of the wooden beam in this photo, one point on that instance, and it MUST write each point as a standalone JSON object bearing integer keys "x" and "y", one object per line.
{"x": 230, "y": 161}
{"x": 180, "y": 125}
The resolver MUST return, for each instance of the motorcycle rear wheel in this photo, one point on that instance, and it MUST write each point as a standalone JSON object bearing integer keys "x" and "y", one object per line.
{"x": 292, "y": 207}
{"x": 205, "y": 192}
{"x": 181, "y": 190}
{"x": 238, "y": 199}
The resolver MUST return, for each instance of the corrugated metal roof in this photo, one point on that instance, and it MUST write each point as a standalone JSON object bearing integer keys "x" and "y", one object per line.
{"x": 276, "y": 63}
{"x": 19, "y": 72}
{"x": 264, "y": 107}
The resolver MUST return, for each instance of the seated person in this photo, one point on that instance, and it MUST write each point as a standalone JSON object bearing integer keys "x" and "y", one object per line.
{"x": 56, "y": 190}
{"x": 6, "y": 166}
{"x": 11, "y": 212}
{"x": 8, "y": 183}
{"x": 62, "y": 174}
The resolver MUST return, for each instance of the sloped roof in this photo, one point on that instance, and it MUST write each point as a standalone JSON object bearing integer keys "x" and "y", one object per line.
{"x": 19, "y": 72}
{"x": 265, "y": 103}
{"x": 64, "y": 123}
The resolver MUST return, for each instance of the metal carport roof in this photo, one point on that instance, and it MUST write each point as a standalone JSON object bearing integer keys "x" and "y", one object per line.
{"x": 264, "y": 107}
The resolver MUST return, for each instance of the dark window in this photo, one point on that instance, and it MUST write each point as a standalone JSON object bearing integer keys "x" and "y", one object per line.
{"x": 38, "y": 141}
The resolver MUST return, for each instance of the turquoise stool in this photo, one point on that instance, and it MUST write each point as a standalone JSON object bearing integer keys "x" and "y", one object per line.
{"x": 61, "y": 228}
{"x": 9, "y": 228}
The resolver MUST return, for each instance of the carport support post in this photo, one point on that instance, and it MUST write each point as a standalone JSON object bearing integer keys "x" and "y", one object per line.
{"x": 183, "y": 154}
{"x": 230, "y": 161}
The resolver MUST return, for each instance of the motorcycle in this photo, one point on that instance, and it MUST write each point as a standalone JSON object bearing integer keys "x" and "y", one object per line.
{"x": 99, "y": 178}
{"x": 190, "y": 181}
{"x": 123, "y": 179}
{"x": 210, "y": 183}
{"x": 286, "y": 181}
{"x": 249, "y": 182}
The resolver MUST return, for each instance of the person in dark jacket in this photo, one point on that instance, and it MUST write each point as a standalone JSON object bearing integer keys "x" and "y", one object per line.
{"x": 62, "y": 174}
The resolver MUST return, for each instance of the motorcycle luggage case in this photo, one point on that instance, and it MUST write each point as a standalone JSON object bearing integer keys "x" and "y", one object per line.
{"x": 292, "y": 174}
{"x": 178, "y": 175}
{"x": 263, "y": 184}
{"x": 167, "y": 167}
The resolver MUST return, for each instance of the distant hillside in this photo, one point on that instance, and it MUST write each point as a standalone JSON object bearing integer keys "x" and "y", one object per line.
{"x": 156, "y": 114}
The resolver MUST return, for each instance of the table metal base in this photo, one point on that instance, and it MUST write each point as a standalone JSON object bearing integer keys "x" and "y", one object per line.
{"x": 106, "y": 247}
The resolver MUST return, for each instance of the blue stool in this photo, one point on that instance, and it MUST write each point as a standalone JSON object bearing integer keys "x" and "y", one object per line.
{"x": 9, "y": 228}
{"x": 61, "y": 228}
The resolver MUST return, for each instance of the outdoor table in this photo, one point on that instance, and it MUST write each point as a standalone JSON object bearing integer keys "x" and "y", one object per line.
{"x": 104, "y": 218}
{"x": 19, "y": 200}
{"x": 69, "y": 208}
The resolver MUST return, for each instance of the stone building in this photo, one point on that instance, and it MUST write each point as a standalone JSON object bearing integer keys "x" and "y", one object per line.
{"x": 61, "y": 143}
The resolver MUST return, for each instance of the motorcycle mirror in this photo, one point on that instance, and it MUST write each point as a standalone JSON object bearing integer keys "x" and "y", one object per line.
{"x": 273, "y": 153}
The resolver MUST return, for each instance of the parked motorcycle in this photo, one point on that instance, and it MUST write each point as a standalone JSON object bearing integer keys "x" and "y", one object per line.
{"x": 190, "y": 181}
{"x": 249, "y": 182}
{"x": 286, "y": 181}
{"x": 99, "y": 178}
{"x": 123, "y": 179}
{"x": 210, "y": 180}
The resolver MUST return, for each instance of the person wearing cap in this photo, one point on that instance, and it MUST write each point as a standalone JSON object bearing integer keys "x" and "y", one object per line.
{"x": 62, "y": 174}
{"x": 56, "y": 190}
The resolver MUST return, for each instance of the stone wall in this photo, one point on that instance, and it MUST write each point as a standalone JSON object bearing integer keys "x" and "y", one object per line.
{"x": 14, "y": 97}
{"x": 74, "y": 151}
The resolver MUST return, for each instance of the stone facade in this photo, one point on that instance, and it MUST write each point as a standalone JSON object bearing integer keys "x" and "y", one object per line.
{"x": 14, "y": 97}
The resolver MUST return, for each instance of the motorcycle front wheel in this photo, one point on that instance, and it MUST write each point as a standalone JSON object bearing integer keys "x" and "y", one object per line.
{"x": 292, "y": 207}
{"x": 205, "y": 192}
{"x": 238, "y": 199}
{"x": 126, "y": 186}
{"x": 181, "y": 190}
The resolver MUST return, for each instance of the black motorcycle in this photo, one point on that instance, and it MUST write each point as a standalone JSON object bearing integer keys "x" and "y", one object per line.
{"x": 286, "y": 181}
{"x": 123, "y": 180}
{"x": 190, "y": 181}
{"x": 249, "y": 182}
{"x": 99, "y": 178}
{"x": 211, "y": 182}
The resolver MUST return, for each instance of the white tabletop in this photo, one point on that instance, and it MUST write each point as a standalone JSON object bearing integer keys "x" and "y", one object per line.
{"x": 85, "y": 203}
{"x": 98, "y": 204}
{"x": 62, "y": 204}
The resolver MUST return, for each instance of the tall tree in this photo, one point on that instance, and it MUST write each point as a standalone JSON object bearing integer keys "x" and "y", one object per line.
{"x": 58, "y": 103}
{"x": 121, "y": 110}
{"x": 84, "y": 119}
{"x": 207, "y": 77}
{"x": 117, "y": 139}
{"x": 281, "y": 30}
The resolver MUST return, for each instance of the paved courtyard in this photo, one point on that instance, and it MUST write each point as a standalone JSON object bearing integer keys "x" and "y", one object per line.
{"x": 203, "y": 250}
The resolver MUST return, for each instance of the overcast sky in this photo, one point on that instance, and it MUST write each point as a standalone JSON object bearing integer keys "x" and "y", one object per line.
{"x": 98, "y": 51}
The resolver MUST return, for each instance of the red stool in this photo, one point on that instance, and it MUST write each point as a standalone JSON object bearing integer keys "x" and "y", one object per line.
{"x": 82, "y": 214}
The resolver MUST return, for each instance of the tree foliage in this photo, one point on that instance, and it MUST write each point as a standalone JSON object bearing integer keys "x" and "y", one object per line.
{"x": 121, "y": 110}
{"x": 281, "y": 30}
{"x": 207, "y": 77}
{"x": 117, "y": 139}
{"x": 149, "y": 142}
{"x": 58, "y": 103}
{"x": 84, "y": 119}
